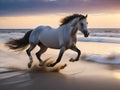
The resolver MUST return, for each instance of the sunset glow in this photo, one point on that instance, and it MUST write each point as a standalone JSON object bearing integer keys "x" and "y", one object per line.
{"x": 29, "y": 21}
{"x": 32, "y": 13}
{"x": 94, "y": 21}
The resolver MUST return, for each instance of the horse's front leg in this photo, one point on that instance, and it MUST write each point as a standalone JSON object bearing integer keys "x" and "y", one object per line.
{"x": 74, "y": 48}
{"x": 62, "y": 50}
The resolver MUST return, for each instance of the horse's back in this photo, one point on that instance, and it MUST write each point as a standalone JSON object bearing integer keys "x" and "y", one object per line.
{"x": 34, "y": 36}
{"x": 46, "y": 35}
{"x": 50, "y": 38}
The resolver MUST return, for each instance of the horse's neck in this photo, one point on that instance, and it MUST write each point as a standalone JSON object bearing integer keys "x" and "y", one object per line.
{"x": 73, "y": 26}
{"x": 74, "y": 22}
{"x": 74, "y": 31}
{"x": 68, "y": 29}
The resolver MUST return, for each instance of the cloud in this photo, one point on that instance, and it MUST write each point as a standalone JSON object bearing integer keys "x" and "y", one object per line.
{"x": 24, "y": 7}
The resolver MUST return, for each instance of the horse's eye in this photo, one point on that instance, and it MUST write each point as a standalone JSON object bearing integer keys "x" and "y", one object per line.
{"x": 81, "y": 24}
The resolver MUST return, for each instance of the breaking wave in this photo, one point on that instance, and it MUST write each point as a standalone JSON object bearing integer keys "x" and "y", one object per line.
{"x": 106, "y": 59}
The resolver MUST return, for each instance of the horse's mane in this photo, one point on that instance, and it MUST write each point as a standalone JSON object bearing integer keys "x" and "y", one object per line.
{"x": 67, "y": 19}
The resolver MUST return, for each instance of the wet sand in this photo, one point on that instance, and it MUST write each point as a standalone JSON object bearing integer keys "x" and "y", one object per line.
{"x": 81, "y": 75}
{"x": 88, "y": 76}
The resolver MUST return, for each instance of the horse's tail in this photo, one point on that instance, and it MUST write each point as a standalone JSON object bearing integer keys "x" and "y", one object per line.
{"x": 19, "y": 44}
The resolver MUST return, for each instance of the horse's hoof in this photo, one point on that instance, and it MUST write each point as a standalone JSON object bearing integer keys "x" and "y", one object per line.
{"x": 41, "y": 64}
{"x": 29, "y": 65}
{"x": 50, "y": 65}
{"x": 72, "y": 60}
{"x": 62, "y": 67}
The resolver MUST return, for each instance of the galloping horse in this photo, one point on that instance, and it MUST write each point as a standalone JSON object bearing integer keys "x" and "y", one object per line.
{"x": 63, "y": 38}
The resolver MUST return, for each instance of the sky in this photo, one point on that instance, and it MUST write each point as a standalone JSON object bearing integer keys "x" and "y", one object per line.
{"x": 32, "y": 13}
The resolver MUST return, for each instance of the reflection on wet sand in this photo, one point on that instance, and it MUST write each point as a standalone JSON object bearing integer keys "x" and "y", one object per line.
{"x": 85, "y": 76}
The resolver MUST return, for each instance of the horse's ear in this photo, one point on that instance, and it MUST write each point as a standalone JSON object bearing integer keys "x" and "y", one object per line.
{"x": 86, "y": 16}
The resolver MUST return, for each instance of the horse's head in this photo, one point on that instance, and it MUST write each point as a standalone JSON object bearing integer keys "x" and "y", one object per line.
{"x": 82, "y": 25}
{"x": 78, "y": 21}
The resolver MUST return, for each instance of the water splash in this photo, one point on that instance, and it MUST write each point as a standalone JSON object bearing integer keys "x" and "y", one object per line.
{"x": 45, "y": 68}
{"x": 112, "y": 58}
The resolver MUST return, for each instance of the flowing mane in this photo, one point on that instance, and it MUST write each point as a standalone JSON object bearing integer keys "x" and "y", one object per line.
{"x": 67, "y": 19}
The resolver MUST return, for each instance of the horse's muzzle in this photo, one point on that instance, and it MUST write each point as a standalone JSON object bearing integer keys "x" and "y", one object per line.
{"x": 86, "y": 33}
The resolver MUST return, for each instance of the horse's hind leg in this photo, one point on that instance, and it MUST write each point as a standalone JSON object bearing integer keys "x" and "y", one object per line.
{"x": 41, "y": 51}
{"x": 32, "y": 46}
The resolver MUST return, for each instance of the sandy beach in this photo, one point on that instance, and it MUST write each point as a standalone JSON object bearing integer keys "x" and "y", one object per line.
{"x": 93, "y": 25}
{"x": 86, "y": 74}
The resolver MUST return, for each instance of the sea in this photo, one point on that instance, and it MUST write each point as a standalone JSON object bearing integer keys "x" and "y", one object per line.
{"x": 103, "y": 35}
{"x": 99, "y": 37}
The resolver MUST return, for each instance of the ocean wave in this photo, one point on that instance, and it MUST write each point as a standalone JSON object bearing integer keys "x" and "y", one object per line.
{"x": 100, "y": 39}
{"x": 94, "y": 37}
{"x": 105, "y": 34}
{"x": 105, "y": 59}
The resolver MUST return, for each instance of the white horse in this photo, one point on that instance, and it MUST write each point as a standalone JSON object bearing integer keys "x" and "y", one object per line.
{"x": 63, "y": 38}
